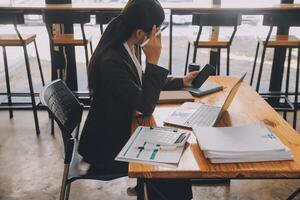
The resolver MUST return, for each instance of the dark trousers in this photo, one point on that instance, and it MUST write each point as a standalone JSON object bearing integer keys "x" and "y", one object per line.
{"x": 157, "y": 189}
{"x": 165, "y": 189}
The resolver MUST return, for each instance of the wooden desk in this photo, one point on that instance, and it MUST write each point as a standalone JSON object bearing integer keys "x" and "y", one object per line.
{"x": 185, "y": 7}
{"x": 247, "y": 107}
{"x": 176, "y": 9}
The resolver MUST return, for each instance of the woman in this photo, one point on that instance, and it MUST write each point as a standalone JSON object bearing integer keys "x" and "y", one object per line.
{"x": 120, "y": 88}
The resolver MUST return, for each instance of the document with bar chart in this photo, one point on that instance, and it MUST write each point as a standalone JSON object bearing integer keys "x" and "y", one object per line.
{"x": 139, "y": 151}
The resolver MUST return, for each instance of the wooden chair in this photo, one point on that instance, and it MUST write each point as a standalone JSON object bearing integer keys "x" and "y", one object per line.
{"x": 285, "y": 41}
{"x": 213, "y": 19}
{"x": 67, "y": 112}
{"x": 63, "y": 39}
{"x": 19, "y": 40}
{"x": 103, "y": 18}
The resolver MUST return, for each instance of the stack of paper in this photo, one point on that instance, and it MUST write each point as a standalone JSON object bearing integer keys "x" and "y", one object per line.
{"x": 252, "y": 143}
{"x": 150, "y": 153}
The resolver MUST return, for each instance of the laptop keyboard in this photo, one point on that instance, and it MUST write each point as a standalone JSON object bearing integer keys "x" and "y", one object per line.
{"x": 203, "y": 116}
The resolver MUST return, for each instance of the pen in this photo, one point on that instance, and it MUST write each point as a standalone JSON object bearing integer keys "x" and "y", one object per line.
{"x": 165, "y": 148}
{"x": 156, "y": 34}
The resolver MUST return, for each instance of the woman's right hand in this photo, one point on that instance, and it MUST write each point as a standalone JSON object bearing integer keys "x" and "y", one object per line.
{"x": 152, "y": 50}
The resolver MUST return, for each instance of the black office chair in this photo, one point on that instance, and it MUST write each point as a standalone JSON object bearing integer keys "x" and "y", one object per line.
{"x": 285, "y": 41}
{"x": 67, "y": 112}
{"x": 103, "y": 18}
{"x": 213, "y": 19}
{"x": 19, "y": 40}
{"x": 63, "y": 39}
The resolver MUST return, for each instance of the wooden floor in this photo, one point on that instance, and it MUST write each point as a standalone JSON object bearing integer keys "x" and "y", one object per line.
{"x": 31, "y": 168}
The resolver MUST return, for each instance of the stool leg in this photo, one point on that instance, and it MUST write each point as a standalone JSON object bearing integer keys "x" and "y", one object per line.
{"x": 39, "y": 63}
{"x": 219, "y": 61}
{"x": 287, "y": 80}
{"x": 7, "y": 83}
{"x": 294, "y": 194}
{"x": 254, "y": 63}
{"x": 86, "y": 55}
{"x": 34, "y": 108}
{"x": 187, "y": 58}
{"x": 228, "y": 60}
{"x": 296, "y": 91}
{"x": 261, "y": 68}
{"x": 195, "y": 53}
{"x": 87, "y": 61}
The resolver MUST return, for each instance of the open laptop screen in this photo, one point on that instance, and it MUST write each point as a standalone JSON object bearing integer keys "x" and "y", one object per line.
{"x": 231, "y": 96}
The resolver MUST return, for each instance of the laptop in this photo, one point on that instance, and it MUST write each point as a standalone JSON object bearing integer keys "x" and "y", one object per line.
{"x": 190, "y": 114}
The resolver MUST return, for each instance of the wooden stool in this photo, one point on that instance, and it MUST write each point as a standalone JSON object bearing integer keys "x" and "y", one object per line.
{"x": 213, "y": 41}
{"x": 18, "y": 40}
{"x": 62, "y": 39}
{"x": 285, "y": 41}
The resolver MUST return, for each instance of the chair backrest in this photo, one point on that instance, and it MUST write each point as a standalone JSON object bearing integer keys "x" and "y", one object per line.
{"x": 64, "y": 107}
{"x": 216, "y": 19}
{"x": 105, "y": 17}
{"x": 281, "y": 20}
{"x": 66, "y": 17}
{"x": 14, "y": 17}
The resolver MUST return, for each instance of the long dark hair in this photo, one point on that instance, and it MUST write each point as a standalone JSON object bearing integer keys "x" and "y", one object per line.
{"x": 137, "y": 14}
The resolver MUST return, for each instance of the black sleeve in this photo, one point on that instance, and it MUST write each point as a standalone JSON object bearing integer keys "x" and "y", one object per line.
{"x": 173, "y": 83}
{"x": 117, "y": 77}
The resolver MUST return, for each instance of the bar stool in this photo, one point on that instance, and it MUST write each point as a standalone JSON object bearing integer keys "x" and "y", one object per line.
{"x": 18, "y": 40}
{"x": 103, "y": 18}
{"x": 213, "y": 19}
{"x": 285, "y": 41}
{"x": 63, "y": 39}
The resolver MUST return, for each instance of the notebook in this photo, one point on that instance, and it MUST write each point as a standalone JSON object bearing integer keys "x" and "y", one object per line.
{"x": 175, "y": 96}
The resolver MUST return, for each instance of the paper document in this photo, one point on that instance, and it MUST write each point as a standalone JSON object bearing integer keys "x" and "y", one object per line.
{"x": 149, "y": 153}
{"x": 251, "y": 143}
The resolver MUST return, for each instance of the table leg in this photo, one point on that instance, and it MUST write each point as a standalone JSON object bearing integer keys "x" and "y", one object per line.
{"x": 141, "y": 189}
{"x": 277, "y": 71}
{"x": 170, "y": 42}
{"x": 214, "y": 53}
{"x": 278, "y": 63}
{"x": 58, "y": 58}
{"x": 71, "y": 69}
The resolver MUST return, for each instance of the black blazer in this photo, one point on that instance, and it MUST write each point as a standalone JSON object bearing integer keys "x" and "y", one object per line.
{"x": 117, "y": 96}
